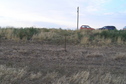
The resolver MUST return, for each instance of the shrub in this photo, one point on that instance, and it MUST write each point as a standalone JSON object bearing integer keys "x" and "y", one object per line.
{"x": 57, "y": 36}
{"x": 25, "y": 32}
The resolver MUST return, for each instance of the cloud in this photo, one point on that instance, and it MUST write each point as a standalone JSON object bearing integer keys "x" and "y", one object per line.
{"x": 49, "y": 12}
{"x": 109, "y": 13}
{"x": 56, "y": 13}
{"x": 18, "y": 18}
{"x": 95, "y": 5}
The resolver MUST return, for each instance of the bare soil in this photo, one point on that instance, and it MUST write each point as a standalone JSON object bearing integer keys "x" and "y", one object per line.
{"x": 39, "y": 56}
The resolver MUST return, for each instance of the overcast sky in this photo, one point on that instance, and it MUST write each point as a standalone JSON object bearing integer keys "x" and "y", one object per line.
{"x": 62, "y": 13}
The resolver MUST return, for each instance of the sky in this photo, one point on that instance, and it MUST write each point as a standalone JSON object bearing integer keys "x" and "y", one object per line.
{"x": 62, "y": 13}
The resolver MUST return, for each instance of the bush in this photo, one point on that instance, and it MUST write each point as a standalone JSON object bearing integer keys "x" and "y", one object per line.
{"x": 57, "y": 36}
{"x": 25, "y": 32}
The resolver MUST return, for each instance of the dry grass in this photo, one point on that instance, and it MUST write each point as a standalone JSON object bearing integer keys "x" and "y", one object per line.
{"x": 85, "y": 40}
{"x": 119, "y": 40}
{"x": 49, "y": 64}
{"x": 43, "y": 36}
{"x": 96, "y": 76}
{"x": 51, "y": 75}
{"x": 94, "y": 54}
{"x": 38, "y": 57}
{"x": 9, "y": 75}
{"x": 6, "y": 33}
{"x": 82, "y": 37}
{"x": 9, "y": 33}
{"x": 108, "y": 41}
{"x": 85, "y": 77}
{"x": 35, "y": 75}
{"x": 80, "y": 77}
{"x": 120, "y": 56}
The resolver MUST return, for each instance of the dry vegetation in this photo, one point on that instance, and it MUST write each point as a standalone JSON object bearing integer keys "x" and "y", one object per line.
{"x": 120, "y": 56}
{"x": 18, "y": 76}
{"x": 39, "y": 57}
{"x": 56, "y": 36}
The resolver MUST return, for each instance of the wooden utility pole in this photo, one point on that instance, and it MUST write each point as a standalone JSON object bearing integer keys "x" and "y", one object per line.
{"x": 77, "y": 17}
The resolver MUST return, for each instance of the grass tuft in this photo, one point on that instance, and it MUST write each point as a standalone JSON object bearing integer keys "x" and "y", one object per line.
{"x": 120, "y": 56}
{"x": 95, "y": 54}
{"x": 8, "y": 75}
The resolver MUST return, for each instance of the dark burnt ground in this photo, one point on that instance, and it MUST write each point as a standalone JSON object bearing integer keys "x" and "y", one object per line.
{"x": 38, "y": 56}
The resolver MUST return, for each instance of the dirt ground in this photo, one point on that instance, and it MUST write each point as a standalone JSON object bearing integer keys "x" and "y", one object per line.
{"x": 44, "y": 57}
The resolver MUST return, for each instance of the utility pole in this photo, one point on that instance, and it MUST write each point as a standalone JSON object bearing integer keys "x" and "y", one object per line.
{"x": 77, "y": 17}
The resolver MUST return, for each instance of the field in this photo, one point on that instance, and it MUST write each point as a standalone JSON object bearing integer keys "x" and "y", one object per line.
{"x": 34, "y": 61}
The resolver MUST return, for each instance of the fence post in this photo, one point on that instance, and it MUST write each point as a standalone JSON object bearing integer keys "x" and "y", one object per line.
{"x": 65, "y": 43}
